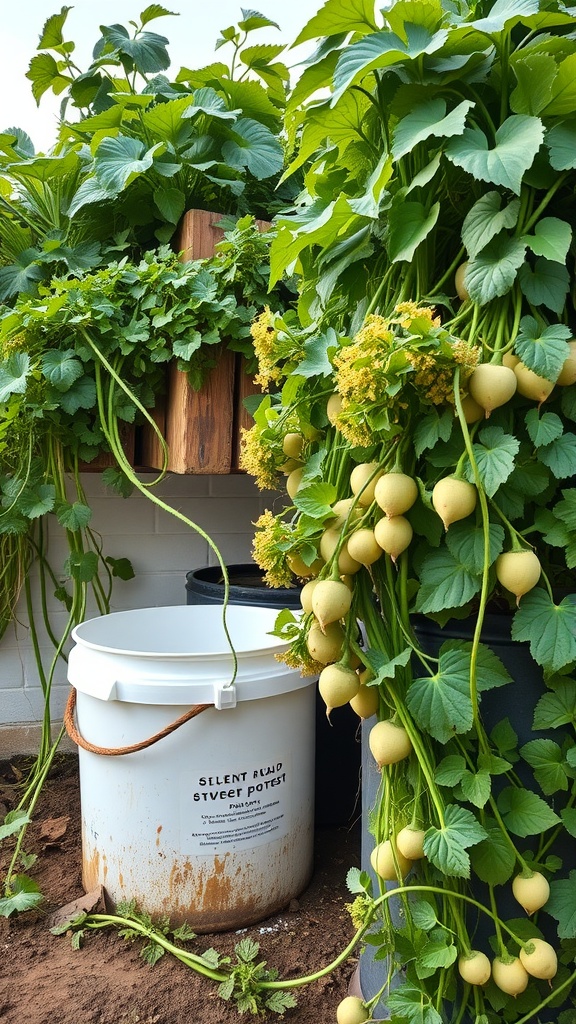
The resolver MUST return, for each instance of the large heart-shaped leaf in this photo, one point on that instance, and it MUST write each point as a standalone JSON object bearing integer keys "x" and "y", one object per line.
{"x": 409, "y": 229}
{"x": 255, "y": 147}
{"x": 493, "y": 271}
{"x": 147, "y": 52}
{"x": 542, "y": 349}
{"x": 121, "y": 159}
{"x": 563, "y": 89}
{"x": 504, "y": 14}
{"x": 551, "y": 238}
{"x": 335, "y": 17}
{"x": 561, "y": 142}
{"x": 14, "y": 373}
{"x": 428, "y": 119}
{"x": 545, "y": 284}
{"x": 382, "y": 50}
{"x": 486, "y": 219}
{"x": 550, "y": 629}
{"x": 517, "y": 142}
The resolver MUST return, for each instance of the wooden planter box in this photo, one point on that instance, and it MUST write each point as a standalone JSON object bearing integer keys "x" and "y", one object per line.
{"x": 201, "y": 428}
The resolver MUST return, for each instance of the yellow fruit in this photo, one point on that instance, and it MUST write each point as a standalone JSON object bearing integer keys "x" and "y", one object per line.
{"x": 393, "y": 535}
{"x": 364, "y": 547}
{"x": 292, "y": 445}
{"x": 389, "y": 743}
{"x": 453, "y": 499}
{"x": 333, "y": 408}
{"x": 328, "y": 543}
{"x": 410, "y": 842}
{"x": 325, "y": 647}
{"x": 345, "y": 510}
{"x": 510, "y": 975}
{"x": 337, "y": 685}
{"x": 395, "y": 493}
{"x": 363, "y": 480}
{"x": 539, "y": 959}
{"x": 461, "y": 289}
{"x": 331, "y": 601}
{"x": 388, "y": 864}
{"x": 365, "y": 703}
{"x": 351, "y": 1010}
{"x": 531, "y": 891}
{"x": 474, "y": 968}
{"x": 306, "y": 595}
{"x": 299, "y": 567}
{"x": 568, "y": 372}
{"x": 472, "y": 411}
{"x": 531, "y": 385}
{"x": 518, "y": 571}
{"x": 491, "y": 385}
{"x": 510, "y": 360}
{"x": 294, "y": 481}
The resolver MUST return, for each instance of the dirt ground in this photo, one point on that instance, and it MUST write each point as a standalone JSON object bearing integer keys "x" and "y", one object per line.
{"x": 43, "y": 980}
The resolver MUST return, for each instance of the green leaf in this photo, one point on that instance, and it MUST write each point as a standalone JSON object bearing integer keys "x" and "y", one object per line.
{"x": 428, "y": 119}
{"x": 61, "y": 368}
{"x": 560, "y": 456}
{"x": 535, "y": 75}
{"x": 486, "y": 219}
{"x": 504, "y": 14}
{"x": 120, "y": 159}
{"x": 335, "y": 18}
{"x": 446, "y": 847}
{"x": 542, "y": 349}
{"x": 22, "y": 276}
{"x": 466, "y": 542}
{"x": 431, "y": 428}
{"x": 493, "y": 271}
{"x": 82, "y": 566}
{"x": 446, "y": 582}
{"x": 255, "y": 147}
{"x": 155, "y": 11}
{"x": 37, "y": 502}
{"x": 546, "y": 284}
{"x": 547, "y": 760}
{"x": 517, "y": 142}
{"x": 561, "y": 905}
{"x": 494, "y": 453}
{"x": 549, "y": 628}
{"x": 121, "y": 568}
{"x": 551, "y": 239}
{"x": 147, "y": 53}
{"x": 450, "y": 770}
{"x": 315, "y": 500}
{"x": 44, "y": 73}
{"x": 423, "y": 913}
{"x": 171, "y": 202}
{"x": 476, "y": 787}
{"x": 73, "y": 516}
{"x": 14, "y": 822}
{"x": 383, "y": 50}
{"x": 556, "y": 708}
{"x": 569, "y": 820}
{"x": 433, "y": 955}
{"x": 316, "y": 362}
{"x": 82, "y": 395}
{"x": 23, "y": 894}
{"x": 52, "y": 37}
{"x": 566, "y": 509}
{"x": 563, "y": 99}
{"x": 410, "y": 1005}
{"x": 493, "y": 859}
{"x": 409, "y": 229}
{"x": 14, "y": 373}
{"x": 561, "y": 142}
{"x": 525, "y": 813}
{"x": 543, "y": 429}
{"x": 441, "y": 703}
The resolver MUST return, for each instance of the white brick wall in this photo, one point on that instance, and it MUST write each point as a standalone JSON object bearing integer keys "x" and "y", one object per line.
{"x": 161, "y": 548}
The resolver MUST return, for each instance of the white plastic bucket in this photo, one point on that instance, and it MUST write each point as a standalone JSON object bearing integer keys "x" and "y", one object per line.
{"x": 214, "y": 823}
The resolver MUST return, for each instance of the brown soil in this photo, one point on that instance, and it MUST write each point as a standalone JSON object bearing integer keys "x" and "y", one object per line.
{"x": 43, "y": 980}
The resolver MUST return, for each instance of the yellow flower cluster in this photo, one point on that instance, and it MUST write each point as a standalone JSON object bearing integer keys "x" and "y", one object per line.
{"x": 264, "y": 336}
{"x": 258, "y": 458}
{"x": 360, "y": 365}
{"x": 408, "y": 312}
{"x": 270, "y": 533}
{"x": 297, "y": 657}
{"x": 435, "y": 375}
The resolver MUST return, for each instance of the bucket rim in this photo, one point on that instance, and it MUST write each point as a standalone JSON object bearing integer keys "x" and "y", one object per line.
{"x": 275, "y": 644}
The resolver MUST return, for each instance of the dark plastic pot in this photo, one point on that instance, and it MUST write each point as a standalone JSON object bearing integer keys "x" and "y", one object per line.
{"x": 338, "y": 749}
{"x": 515, "y": 701}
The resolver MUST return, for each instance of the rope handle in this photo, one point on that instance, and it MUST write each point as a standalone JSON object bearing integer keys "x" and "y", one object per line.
{"x": 78, "y": 739}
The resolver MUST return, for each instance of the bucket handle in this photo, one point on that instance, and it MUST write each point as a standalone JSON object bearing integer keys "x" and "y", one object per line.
{"x": 78, "y": 739}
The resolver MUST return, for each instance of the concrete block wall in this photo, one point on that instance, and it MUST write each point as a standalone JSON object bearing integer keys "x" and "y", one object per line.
{"x": 161, "y": 548}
